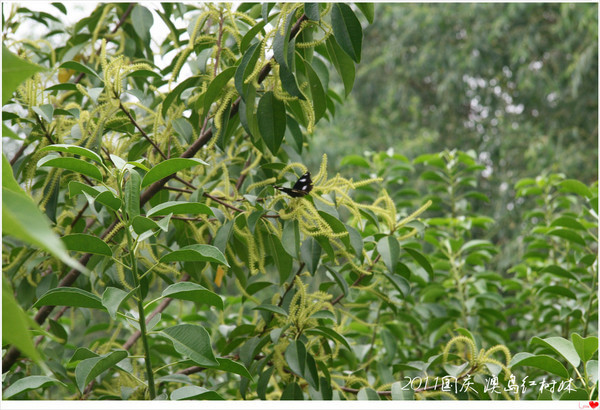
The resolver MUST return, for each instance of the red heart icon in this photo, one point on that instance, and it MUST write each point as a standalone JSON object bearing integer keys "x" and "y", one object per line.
{"x": 593, "y": 404}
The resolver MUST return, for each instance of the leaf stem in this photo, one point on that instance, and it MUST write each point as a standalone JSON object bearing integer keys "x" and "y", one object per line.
{"x": 142, "y": 317}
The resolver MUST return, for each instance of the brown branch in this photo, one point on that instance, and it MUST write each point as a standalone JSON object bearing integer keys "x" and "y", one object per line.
{"x": 185, "y": 191}
{"x": 123, "y": 17}
{"x": 136, "y": 125}
{"x": 225, "y": 204}
{"x": 357, "y": 281}
{"x": 243, "y": 175}
{"x": 19, "y": 153}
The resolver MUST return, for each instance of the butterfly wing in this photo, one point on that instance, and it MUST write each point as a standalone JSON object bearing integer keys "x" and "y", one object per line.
{"x": 302, "y": 187}
{"x": 303, "y": 184}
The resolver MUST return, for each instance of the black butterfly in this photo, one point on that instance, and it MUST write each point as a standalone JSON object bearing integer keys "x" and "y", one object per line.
{"x": 302, "y": 186}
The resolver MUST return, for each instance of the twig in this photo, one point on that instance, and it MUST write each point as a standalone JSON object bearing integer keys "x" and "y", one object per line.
{"x": 225, "y": 204}
{"x": 357, "y": 281}
{"x": 172, "y": 188}
{"x": 133, "y": 121}
{"x": 243, "y": 174}
{"x": 163, "y": 305}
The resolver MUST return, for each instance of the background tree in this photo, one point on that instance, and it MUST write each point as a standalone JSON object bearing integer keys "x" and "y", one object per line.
{"x": 517, "y": 83}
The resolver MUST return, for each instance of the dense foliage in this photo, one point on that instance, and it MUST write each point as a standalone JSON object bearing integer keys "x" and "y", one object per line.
{"x": 143, "y": 234}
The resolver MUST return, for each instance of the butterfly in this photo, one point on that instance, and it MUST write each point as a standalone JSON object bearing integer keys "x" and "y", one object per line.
{"x": 302, "y": 186}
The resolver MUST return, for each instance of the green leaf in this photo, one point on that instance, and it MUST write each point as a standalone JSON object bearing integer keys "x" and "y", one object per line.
{"x": 295, "y": 356}
{"x": 290, "y": 238}
{"x": 347, "y": 30}
{"x": 367, "y": 393}
{"x": 312, "y": 12}
{"x": 245, "y": 68}
{"x": 108, "y": 199}
{"x": 195, "y": 253}
{"x": 399, "y": 283}
{"x": 368, "y": 10}
{"x": 475, "y": 244}
{"x": 15, "y": 324}
{"x": 399, "y": 392}
{"x": 193, "y": 342}
{"x": 421, "y": 260}
{"x": 330, "y": 334}
{"x": 282, "y": 44}
{"x": 292, "y": 392}
{"x": 561, "y": 346}
{"x": 263, "y": 383}
{"x": 74, "y": 65}
{"x": 62, "y": 87}
{"x": 81, "y": 242}
{"x": 76, "y": 188}
{"x": 173, "y": 95}
{"x": 223, "y": 235}
{"x": 271, "y": 308}
{"x": 310, "y": 252}
{"x": 543, "y": 362}
{"x": 389, "y": 249}
{"x": 559, "y": 290}
{"x": 558, "y": 271}
{"x": 72, "y": 164}
{"x": 75, "y": 150}
{"x": 7, "y": 132}
{"x": 142, "y": 224}
{"x": 113, "y": 298}
{"x": 169, "y": 167}
{"x": 271, "y": 121}
{"x": 195, "y": 393}
{"x": 8, "y": 180}
{"x": 253, "y": 219}
{"x": 142, "y": 22}
{"x": 87, "y": 369}
{"x": 193, "y": 292}
{"x": 568, "y": 222}
{"x": 15, "y": 70}
{"x": 585, "y": 347}
{"x": 216, "y": 87}
{"x": 230, "y": 366}
{"x": 179, "y": 207}
{"x": 252, "y": 34}
{"x": 342, "y": 63}
{"x": 318, "y": 97}
{"x": 339, "y": 279}
{"x": 29, "y": 383}
{"x": 576, "y": 187}
{"x": 567, "y": 234}
{"x": 288, "y": 82}
{"x": 337, "y": 227}
{"x": 64, "y": 296}
{"x": 282, "y": 260}
{"x": 45, "y": 111}
{"x": 355, "y": 160}
{"x": 132, "y": 195}
{"x": 22, "y": 219}
{"x": 311, "y": 374}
